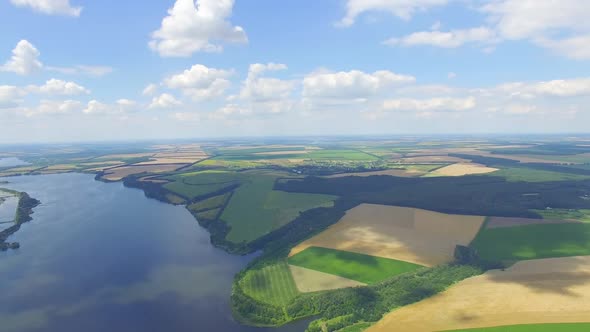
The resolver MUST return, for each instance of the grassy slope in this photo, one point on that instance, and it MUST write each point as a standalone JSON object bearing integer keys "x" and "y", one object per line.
{"x": 533, "y": 242}
{"x": 359, "y": 267}
{"x": 565, "y": 327}
{"x": 210, "y": 203}
{"x": 194, "y": 184}
{"x": 255, "y": 209}
{"x": 271, "y": 284}
{"x": 532, "y": 175}
{"x": 208, "y": 215}
{"x": 339, "y": 155}
{"x": 358, "y": 327}
{"x": 580, "y": 215}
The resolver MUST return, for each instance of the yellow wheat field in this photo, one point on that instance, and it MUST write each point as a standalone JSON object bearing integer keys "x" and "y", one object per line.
{"x": 412, "y": 235}
{"x": 461, "y": 169}
{"x": 555, "y": 290}
{"x": 118, "y": 173}
{"x": 312, "y": 281}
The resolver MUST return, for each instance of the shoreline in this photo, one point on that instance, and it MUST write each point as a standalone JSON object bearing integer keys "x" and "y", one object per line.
{"x": 23, "y": 213}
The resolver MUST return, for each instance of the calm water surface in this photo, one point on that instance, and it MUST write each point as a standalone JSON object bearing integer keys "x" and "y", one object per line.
{"x": 11, "y": 162}
{"x": 102, "y": 257}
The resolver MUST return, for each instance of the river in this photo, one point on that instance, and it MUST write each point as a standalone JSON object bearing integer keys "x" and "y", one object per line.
{"x": 102, "y": 257}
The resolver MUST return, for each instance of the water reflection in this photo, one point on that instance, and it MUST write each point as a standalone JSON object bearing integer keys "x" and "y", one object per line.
{"x": 102, "y": 257}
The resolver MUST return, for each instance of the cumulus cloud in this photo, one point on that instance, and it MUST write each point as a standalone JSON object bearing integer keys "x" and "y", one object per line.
{"x": 50, "y": 7}
{"x": 260, "y": 89}
{"x": 520, "y": 19}
{"x": 54, "y": 107}
{"x": 150, "y": 90}
{"x": 351, "y": 84}
{"x": 427, "y": 105}
{"x": 200, "y": 82}
{"x": 229, "y": 111}
{"x": 187, "y": 116}
{"x": 10, "y": 96}
{"x": 199, "y": 27}
{"x": 561, "y": 26}
{"x": 95, "y": 71}
{"x": 403, "y": 9}
{"x": 57, "y": 87}
{"x": 450, "y": 39}
{"x": 121, "y": 106}
{"x": 577, "y": 47}
{"x": 24, "y": 60}
{"x": 557, "y": 88}
{"x": 164, "y": 101}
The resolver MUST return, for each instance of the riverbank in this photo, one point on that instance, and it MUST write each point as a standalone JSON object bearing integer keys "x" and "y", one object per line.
{"x": 23, "y": 213}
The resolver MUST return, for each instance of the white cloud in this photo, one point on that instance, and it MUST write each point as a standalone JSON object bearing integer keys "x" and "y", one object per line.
{"x": 50, "y": 7}
{"x": 450, "y": 39}
{"x": 164, "y": 101}
{"x": 200, "y": 82}
{"x": 561, "y": 26}
{"x": 96, "y": 107}
{"x": 556, "y": 88}
{"x": 95, "y": 71}
{"x": 451, "y": 75}
{"x": 150, "y": 90}
{"x": 260, "y": 89}
{"x": 120, "y": 107}
{"x": 577, "y": 47}
{"x": 228, "y": 111}
{"x": 433, "y": 104}
{"x": 53, "y": 107}
{"x": 57, "y": 87}
{"x": 24, "y": 60}
{"x": 187, "y": 117}
{"x": 520, "y": 19}
{"x": 191, "y": 28}
{"x": 403, "y": 9}
{"x": 10, "y": 96}
{"x": 351, "y": 84}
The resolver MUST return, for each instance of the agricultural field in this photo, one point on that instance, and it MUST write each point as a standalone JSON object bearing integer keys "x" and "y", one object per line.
{"x": 411, "y": 235}
{"x": 533, "y": 241}
{"x": 563, "y": 327}
{"x": 542, "y": 291}
{"x": 461, "y": 169}
{"x": 118, "y": 173}
{"x": 358, "y": 327}
{"x": 209, "y": 203}
{"x": 196, "y": 184}
{"x": 256, "y": 209}
{"x": 582, "y": 215}
{"x": 271, "y": 284}
{"x": 308, "y": 280}
{"x": 525, "y": 174}
{"x": 208, "y": 215}
{"x": 362, "y": 268}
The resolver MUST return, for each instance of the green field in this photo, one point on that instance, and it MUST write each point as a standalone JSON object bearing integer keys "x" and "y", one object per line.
{"x": 208, "y": 215}
{"x": 533, "y": 241}
{"x": 353, "y": 155}
{"x": 271, "y": 284}
{"x": 515, "y": 174}
{"x": 195, "y": 184}
{"x": 359, "y": 267}
{"x": 580, "y": 215}
{"x": 358, "y": 327}
{"x": 563, "y": 327}
{"x": 255, "y": 209}
{"x": 209, "y": 203}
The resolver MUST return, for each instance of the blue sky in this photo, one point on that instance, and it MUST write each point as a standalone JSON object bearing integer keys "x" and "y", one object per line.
{"x": 79, "y": 70}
